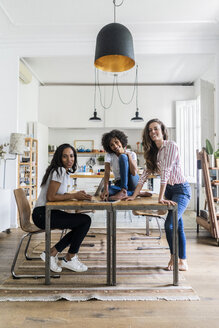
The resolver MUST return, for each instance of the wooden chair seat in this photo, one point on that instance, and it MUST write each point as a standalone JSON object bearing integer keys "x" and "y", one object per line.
{"x": 149, "y": 215}
{"x": 31, "y": 227}
{"x": 152, "y": 213}
{"x": 84, "y": 211}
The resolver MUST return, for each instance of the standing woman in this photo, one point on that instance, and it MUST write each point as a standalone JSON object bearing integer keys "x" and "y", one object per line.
{"x": 162, "y": 157}
{"x": 53, "y": 189}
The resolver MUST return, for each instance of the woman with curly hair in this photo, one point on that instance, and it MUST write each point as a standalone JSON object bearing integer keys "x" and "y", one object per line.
{"x": 123, "y": 164}
{"x": 54, "y": 187}
{"x": 162, "y": 157}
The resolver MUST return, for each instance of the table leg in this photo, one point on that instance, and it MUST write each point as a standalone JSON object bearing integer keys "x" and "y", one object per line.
{"x": 114, "y": 248}
{"x": 109, "y": 240}
{"x": 47, "y": 243}
{"x": 175, "y": 248}
{"x": 75, "y": 183}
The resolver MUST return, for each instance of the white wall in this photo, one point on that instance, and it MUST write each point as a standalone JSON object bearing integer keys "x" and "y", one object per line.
{"x": 209, "y": 102}
{"x": 41, "y": 134}
{"x": 210, "y": 74}
{"x": 9, "y": 67}
{"x": 153, "y": 101}
{"x": 18, "y": 104}
{"x": 71, "y": 106}
{"x": 28, "y": 114}
{"x": 207, "y": 112}
{"x": 28, "y": 103}
{"x": 205, "y": 92}
{"x": 59, "y": 136}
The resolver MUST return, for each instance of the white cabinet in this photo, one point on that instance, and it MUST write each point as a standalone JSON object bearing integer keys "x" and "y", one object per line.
{"x": 5, "y": 209}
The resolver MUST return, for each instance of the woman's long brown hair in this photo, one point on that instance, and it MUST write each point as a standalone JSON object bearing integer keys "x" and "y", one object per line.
{"x": 149, "y": 146}
{"x": 56, "y": 162}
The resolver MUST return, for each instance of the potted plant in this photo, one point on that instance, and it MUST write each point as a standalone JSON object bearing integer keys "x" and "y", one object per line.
{"x": 216, "y": 155}
{"x": 209, "y": 150}
{"x": 3, "y": 150}
{"x": 100, "y": 159}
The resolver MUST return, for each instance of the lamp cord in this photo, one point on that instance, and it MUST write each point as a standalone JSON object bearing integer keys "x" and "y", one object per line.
{"x": 95, "y": 89}
{"x": 133, "y": 92}
{"x": 111, "y": 100}
{"x": 136, "y": 85}
{"x": 115, "y": 5}
{"x": 115, "y": 82}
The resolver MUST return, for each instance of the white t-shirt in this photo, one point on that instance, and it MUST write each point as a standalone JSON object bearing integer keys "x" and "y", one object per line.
{"x": 113, "y": 159}
{"x": 62, "y": 177}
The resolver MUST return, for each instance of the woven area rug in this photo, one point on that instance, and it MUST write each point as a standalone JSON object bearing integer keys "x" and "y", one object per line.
{"x": 141, "y": 273}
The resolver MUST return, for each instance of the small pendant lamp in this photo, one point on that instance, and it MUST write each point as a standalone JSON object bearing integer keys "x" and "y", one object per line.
{"x": 137, "y": 118}
{"x": 95, "y": 118}
{"x": 114, "y": 47}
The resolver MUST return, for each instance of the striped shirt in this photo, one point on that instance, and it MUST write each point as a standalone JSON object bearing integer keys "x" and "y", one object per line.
{"x": 168, "y": 162}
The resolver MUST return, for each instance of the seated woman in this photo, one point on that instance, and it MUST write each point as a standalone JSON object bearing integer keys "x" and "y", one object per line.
{"x": 54, "y": 188}
{"x": 123, "y": 164}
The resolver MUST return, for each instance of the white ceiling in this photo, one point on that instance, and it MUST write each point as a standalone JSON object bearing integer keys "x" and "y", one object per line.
{"x": 99, "y": 12}
{"x": 81, "y": 21}
{"x": 153, "y": 69}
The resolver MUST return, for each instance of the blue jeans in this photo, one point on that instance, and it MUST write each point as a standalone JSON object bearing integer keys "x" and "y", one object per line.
{"x": 181, "y": 194}
{"x": 127, "y": 180}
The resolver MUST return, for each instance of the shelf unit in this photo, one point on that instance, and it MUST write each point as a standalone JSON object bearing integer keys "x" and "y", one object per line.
{"x": 28, "y": 170}
{"x": 92, "y": 153}
{"x": 207, "y": 218}
{"x": 215, "y": 183}
{"x": 140, "y": 159}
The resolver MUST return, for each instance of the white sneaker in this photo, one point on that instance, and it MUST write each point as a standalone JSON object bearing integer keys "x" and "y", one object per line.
{"x": 53, "y": 262}
{"x": 74, "y": 264}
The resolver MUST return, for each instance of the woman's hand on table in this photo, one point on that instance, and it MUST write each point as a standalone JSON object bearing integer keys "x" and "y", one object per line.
{"x": 129, "y": 198}
{"x": 81, "y": 195}
{"x": 104, "y": 195}
{"x": 166, "y": 202}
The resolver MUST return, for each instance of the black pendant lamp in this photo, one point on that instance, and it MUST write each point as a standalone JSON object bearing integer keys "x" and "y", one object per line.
{"x": 95, "y": 118}
{"x": 137, "y": 118}
{"x": 114, "y": 47}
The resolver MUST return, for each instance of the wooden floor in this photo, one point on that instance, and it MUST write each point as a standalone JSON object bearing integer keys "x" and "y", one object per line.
{"x": 203, "y": 276}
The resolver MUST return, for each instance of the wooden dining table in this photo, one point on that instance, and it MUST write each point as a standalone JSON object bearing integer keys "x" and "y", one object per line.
{"x": 111, "y": 208}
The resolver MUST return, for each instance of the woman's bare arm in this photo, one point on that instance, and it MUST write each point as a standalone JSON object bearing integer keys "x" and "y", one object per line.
{"x": 161, "y": 198}
{"x": 52, "y": 195}
{"x": 136, "y": 192}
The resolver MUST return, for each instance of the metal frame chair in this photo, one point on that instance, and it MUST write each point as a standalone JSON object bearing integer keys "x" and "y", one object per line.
{"x": 149, "y": 215}
{"x": 28, "y": 227}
